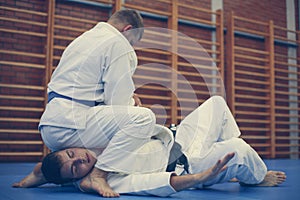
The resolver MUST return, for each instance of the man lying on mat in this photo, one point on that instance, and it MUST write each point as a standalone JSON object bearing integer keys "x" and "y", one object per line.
{"x": 204, "y": 136}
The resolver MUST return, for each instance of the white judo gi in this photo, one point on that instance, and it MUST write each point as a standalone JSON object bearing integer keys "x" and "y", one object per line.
{"x": 97, "y": 68}
{"x": 206, "y": 135}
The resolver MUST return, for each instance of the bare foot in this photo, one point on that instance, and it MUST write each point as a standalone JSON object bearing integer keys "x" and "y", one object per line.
{"x": 96, "y": 182}
{"x": 272, "y": 178}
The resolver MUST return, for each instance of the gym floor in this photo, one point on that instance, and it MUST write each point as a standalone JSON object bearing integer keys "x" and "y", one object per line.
{"x": 13, "y": 172}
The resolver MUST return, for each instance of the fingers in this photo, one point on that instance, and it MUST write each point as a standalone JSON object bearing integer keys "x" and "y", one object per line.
{"x": 16, "y": 185}
{"x": 221, "y": 164}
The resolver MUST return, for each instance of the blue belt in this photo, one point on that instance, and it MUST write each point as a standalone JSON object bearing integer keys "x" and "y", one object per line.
{"x": 52, "y": 95}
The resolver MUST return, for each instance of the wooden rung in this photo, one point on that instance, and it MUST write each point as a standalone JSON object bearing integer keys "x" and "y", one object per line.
{"x": 158, "y": 79}
{"x": 23, "y": 21}
{"x": 238, "y": 112}
{"x": 23, "y": 32}
{"x": 285, "y": 85}
{"x": 22, "y": 131}
{"x": 151, "y": 41}
{"x": 15, "y": 108}
{"x": 190, "y": 100}
{"x": 286, "y": 100}
{"x": 30, "y": 98}
{"x": 287, "y": 130}
{"x": 165, "y": 1}
{"x": 157, "y": 106}
{"x": 143, "y": 8}
{"x": 286, "y": 64}
{"x": 22, "y": 53}
{"x": 21, "y": 153}
{"x": 286, "y": 57}
{"x": 243, "y": 88}
{"x": 254, "y": 129}
{"x": 155, "y": 60}
{"x": 200, "y": 41}
{"x": 105, "y": 1}
{"x": 197, "y": 8}
{"x": 287, "y": 153}
{"x": 197, "y": 66}
{"x": 198, "y": 57}
{"x": 158, "y": 32}
{"x": 251, "y": 73}
{"x": 193, "y": 48}
{"x": 285, "y": 29}
{"x": 251, "y": 97}
{"x": 24, "y": 11}
{"x": 13, "y": 119}
{"x": 253, "y": 105}
{"x": 286, "y": 115}
{"x": 161, "y": 52}
{"x": 250, "y": 57}
{"x": 287, "y": 123}
{"x": 155, "y": 69}
{"x": 195, "y": 19}
{"x": 80, "y": 30}
{"x": 287, "y": 145}
{"x": 198, "y": 83}
{"x": 151, "y": 87}
{"x": 23, "y": 142}
{"x": 185, "y": 109}
{"x": 246, "y": 30}
{"x": 59, "y": 47}
{"x": 287, "y": 138}
{"x": 286, "y": 39}
{"x": 251, "y": 50}
{"x": 154, "y": 97}
{"x": 162, "y": 116}
{"x": 287, "y": 93}
{"x": 192, "y": 91}
{"x": 250, "y": 20}
{"x": 22, "y": 64}
{"x": 31, "y": 87}
{"x": 63, "y": 37}
{"x": 259, "y": 137}
{"x": 254, "y": 121}
{"x": 255, "y": 82}
{"x": 286, "y": 78}
{"x": 75, "y": 19}
{"x": 249, "y": 65}
{"x": 260, "y": 145}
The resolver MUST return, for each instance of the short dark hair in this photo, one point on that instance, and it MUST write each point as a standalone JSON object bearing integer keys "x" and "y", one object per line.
{"x": 51, "y": 166}
{"x": 128, "y": 16}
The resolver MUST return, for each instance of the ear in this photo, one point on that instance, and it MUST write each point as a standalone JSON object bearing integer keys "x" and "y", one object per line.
{"x": 127, "y": 27}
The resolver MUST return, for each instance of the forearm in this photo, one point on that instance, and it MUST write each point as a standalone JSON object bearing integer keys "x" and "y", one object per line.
{"x": 185, "y": 181}
{"x": 34, "y": 179}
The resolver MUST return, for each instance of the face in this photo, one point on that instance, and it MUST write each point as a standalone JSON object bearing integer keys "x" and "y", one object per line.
{"x": 77, "y": 162}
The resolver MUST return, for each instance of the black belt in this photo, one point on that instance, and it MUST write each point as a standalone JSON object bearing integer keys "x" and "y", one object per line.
{"x": 177, "y": 157}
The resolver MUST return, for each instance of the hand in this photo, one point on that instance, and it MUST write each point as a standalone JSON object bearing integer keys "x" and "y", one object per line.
{"x": 219, "y": 167}
{"x": 137, "y": 100}
{"x": 96, "y": 182}
{"x": 34, "y": 179}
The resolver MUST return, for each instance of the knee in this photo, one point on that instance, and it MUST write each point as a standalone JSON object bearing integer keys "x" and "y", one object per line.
{"x": 144, "y": 116}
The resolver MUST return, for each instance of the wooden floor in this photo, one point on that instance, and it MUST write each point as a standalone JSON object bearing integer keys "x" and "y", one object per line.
{"x": 290, "y": 190}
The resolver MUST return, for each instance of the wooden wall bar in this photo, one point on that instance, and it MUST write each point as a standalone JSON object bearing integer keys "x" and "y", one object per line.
{"x": 181, "y": 63}
{"x": 259, "y": 82}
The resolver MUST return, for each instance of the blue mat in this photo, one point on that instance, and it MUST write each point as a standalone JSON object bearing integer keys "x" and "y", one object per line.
{"x": 290, "y": 190}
